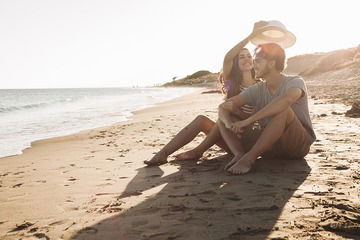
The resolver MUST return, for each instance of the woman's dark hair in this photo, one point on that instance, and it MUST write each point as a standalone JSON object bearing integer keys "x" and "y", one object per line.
{"x": 235, "y": 78}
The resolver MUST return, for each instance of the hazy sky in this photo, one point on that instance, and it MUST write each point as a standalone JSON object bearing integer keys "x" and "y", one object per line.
{"x": 103, "y": 43}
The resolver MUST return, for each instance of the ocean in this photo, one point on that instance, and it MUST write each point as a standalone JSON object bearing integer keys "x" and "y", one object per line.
{"x": 27, "y": 115}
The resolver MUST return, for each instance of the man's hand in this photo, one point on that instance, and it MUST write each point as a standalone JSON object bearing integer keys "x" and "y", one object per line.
{"x": 239, "y": 127}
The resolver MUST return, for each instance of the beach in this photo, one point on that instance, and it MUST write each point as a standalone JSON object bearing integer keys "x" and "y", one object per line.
{"x": 94, "y": 185}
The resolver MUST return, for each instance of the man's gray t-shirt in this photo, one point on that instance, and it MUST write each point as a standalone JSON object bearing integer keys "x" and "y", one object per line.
{"x": 259, "y": 95}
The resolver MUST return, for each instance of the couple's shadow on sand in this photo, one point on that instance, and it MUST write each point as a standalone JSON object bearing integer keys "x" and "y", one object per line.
{"x": 201, "y": 201}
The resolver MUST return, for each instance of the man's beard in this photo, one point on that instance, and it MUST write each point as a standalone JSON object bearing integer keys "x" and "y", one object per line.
{"x": 263, "y": 73}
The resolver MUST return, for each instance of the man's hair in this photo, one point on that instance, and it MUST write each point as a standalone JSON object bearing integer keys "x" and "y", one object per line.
{"x": 272, "y": 51}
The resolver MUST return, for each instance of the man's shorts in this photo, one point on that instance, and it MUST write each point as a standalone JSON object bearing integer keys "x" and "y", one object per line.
{"x": 294, "y": 143}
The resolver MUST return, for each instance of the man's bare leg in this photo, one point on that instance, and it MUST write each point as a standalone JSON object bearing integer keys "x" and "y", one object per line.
{"x": 269, "y": 136}
{"x": 186, "y": 135}
{"x": 214, "y": 137}
{"x": 233, "y": 142}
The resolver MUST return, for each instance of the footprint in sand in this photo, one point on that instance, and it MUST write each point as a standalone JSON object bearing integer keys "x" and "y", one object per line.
{"x": 178, "y": 208}
{"x": 342, "y": 167}
{"x": 124, "y": 150}
{"x": 41, "y": 235}
{"x": 233, "y": 198}
{"x": 33, "y": 229}
{"x": 356, "y": 175}
{"x": 72, "y": 208}
{"x": 112, "y": 207}
{"x": 5, "y": 174}
{"x": 103, "y": 184}
{"x": 88, "y": 157}
{"x": 155, "y": 175}
{"x": 266, "y": 185}
{"x": 147, "y": 211}
{"x": 17, "y": 185}
{"x": 139, "y": 222}
{"x": 22, "y": 227}
{"x": 88, "y": 230}
{"x": 153, "y": 226}
{"x": 182, "y": 186}
{"x": 103, "y": 193}
{"x": 159, "y": 235}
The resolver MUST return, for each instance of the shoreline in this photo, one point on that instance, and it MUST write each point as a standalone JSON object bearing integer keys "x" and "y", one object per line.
{"x": 84, "y": 131}
{"x": 94, "y": 185}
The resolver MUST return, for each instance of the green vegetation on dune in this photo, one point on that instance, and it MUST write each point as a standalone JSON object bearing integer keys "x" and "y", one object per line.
{"x": 199, "y": 78}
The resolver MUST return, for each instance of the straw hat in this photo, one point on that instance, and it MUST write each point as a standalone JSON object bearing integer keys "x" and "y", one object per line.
{"x": 274, "y": 32}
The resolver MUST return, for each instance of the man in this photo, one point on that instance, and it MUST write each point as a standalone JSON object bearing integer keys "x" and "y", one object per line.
{"x": 281, "y": 110}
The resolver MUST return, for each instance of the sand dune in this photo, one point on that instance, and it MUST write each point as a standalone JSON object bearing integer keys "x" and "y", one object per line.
{"x": 334, "y": 76}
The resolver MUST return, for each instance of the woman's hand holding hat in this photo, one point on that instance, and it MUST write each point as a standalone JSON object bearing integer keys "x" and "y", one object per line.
{"x": 257, "y": 27}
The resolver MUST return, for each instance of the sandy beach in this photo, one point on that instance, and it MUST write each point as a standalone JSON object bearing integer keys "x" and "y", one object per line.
{"x": 94, "y": 185}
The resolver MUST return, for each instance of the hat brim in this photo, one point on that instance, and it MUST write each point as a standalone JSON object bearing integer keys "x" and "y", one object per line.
{"x": 274, "y": 34}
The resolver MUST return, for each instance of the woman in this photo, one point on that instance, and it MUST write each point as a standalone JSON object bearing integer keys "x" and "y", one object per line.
{"x": 237, "y": 74}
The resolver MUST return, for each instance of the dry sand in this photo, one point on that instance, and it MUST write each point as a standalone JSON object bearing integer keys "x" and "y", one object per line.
{"x": 94, "y": 185}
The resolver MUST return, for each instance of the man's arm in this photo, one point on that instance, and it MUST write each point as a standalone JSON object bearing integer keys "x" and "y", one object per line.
{"x": 229, "y": 107}
{"x": 277, "y": 105}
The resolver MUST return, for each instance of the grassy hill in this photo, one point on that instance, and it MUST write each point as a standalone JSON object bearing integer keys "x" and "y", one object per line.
{"x": 198, "y": 79}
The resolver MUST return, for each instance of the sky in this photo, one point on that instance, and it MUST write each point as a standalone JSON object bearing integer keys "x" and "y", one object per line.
{"x": 125, "y": 43}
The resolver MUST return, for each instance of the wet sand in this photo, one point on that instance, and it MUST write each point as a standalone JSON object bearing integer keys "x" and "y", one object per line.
{"x": 94, "y": 185}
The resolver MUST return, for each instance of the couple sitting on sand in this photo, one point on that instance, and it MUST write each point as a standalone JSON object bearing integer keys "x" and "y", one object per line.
{"x": 265, "y": 112}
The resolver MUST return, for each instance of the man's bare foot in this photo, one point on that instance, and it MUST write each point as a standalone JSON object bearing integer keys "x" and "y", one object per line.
{"x": 159, "y": 159}
{"x": 233, "y": 161}
{"x": 188, "y": 155}
{"x": 243, "y": 164}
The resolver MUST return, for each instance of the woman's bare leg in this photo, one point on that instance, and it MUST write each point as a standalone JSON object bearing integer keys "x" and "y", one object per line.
{"x": 214, "y": 137}
{"x": 186, "y": 135}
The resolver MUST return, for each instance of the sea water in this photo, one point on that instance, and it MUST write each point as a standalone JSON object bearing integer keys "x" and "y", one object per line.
{"x": 27, "y": 115}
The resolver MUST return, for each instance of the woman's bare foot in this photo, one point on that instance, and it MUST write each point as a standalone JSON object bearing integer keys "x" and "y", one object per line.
{"x": 159, "y": 159}
{"x": 189, "y": 155}
{"x": 233, "y": 161}
{"x": 243, "y": 164}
